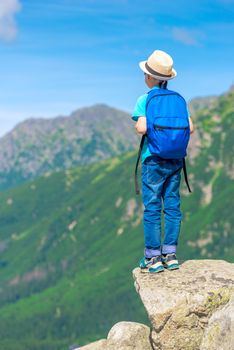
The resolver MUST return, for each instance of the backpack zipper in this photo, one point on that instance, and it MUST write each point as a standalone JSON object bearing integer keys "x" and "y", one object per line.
{"x": 156, "y": 126}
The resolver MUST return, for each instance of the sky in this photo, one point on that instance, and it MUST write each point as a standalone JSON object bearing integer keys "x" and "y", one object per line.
{"x": 60, "y": 55}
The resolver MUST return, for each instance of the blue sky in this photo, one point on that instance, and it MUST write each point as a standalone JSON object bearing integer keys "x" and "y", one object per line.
{"x": 60, "y": 55}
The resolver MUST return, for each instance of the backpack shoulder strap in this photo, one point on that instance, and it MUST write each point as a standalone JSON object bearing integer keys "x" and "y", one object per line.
{"x": 185, "y": 175}
{"x": 137, "y": 163}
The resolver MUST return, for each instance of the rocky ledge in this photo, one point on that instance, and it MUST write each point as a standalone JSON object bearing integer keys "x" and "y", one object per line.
{"x": 190, "y": 309}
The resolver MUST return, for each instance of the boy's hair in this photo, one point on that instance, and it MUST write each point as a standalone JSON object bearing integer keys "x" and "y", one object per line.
{"x": 163, "y": 84}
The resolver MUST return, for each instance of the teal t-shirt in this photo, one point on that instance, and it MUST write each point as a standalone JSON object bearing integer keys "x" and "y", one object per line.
{"x": 139, "y": 111}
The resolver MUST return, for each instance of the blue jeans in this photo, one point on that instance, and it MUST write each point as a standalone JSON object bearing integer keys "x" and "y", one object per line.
{"x": 161, "y": 182}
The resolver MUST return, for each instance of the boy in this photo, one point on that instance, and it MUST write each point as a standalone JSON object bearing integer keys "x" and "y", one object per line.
{"x": 160, "y": 177}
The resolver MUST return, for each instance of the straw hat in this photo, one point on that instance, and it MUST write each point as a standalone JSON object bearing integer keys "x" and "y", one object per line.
{"x": 159, "y": 65}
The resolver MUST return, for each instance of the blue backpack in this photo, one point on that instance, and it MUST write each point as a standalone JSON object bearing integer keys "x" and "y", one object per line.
{"x": 167, "y": 124}
{"x": 168, "y": 129}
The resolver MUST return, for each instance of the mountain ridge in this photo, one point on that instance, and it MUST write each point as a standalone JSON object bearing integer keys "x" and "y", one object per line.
{"x": 37, "y": 146}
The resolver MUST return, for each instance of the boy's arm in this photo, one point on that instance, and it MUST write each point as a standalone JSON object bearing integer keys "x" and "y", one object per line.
{"x": 141, "y": 126}
{"x": 139, "y": 115}
{"x": 191, "y": 126}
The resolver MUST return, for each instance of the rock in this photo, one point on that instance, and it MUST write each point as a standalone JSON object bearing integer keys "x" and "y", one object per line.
{"x": 129, "y": 336}
{"x": 220, "y": 331}
{"x": 190, "y": 308}
{"x": 124, "y": 336}
{"x": 97, "y": 345}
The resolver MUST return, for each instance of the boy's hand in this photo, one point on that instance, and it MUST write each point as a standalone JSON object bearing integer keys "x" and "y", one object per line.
{"x": 141, "y": 126}
{"x": 191, "y": 126}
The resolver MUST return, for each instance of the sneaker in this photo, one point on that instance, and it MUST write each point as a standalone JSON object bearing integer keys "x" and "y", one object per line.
{"x": 170, "y": 262}
{"x": 152, "y": 265}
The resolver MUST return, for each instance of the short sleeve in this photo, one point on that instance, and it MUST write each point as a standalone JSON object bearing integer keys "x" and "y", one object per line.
{"x": 139, "y": 110}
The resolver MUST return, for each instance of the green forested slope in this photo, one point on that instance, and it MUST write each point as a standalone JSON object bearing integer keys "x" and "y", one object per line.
{"x": 209, "y": 211}
{"x": 65, "y": 262}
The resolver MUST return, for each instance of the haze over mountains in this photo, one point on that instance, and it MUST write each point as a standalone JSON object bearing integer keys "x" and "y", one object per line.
{"x": 70, "y": 238}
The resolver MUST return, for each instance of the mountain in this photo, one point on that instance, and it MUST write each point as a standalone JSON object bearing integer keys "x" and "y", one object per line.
{"x": 209, "y": 218}
{"x": 199, "y": 103}
{"x": 38, "y": 146}
{"x": 70, "y": 239}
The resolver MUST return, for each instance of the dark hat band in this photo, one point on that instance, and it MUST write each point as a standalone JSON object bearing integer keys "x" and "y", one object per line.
{"x": 156, "y": 73}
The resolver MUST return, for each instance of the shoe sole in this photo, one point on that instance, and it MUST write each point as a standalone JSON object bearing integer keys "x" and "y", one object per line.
{"x": 156, "y": 267}
{"x": 152, "y": 268}
{"x": 149, "y": 270}
{"x": 172, "y": 267}
{"x": 144, "y": 270}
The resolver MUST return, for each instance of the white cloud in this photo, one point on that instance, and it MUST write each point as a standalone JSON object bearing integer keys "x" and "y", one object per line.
{"x": 184, "y": 36}
{"x": 8, "y": 10}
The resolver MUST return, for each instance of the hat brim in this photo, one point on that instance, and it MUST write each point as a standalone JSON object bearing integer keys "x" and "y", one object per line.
{"x": 159, "y": 77}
